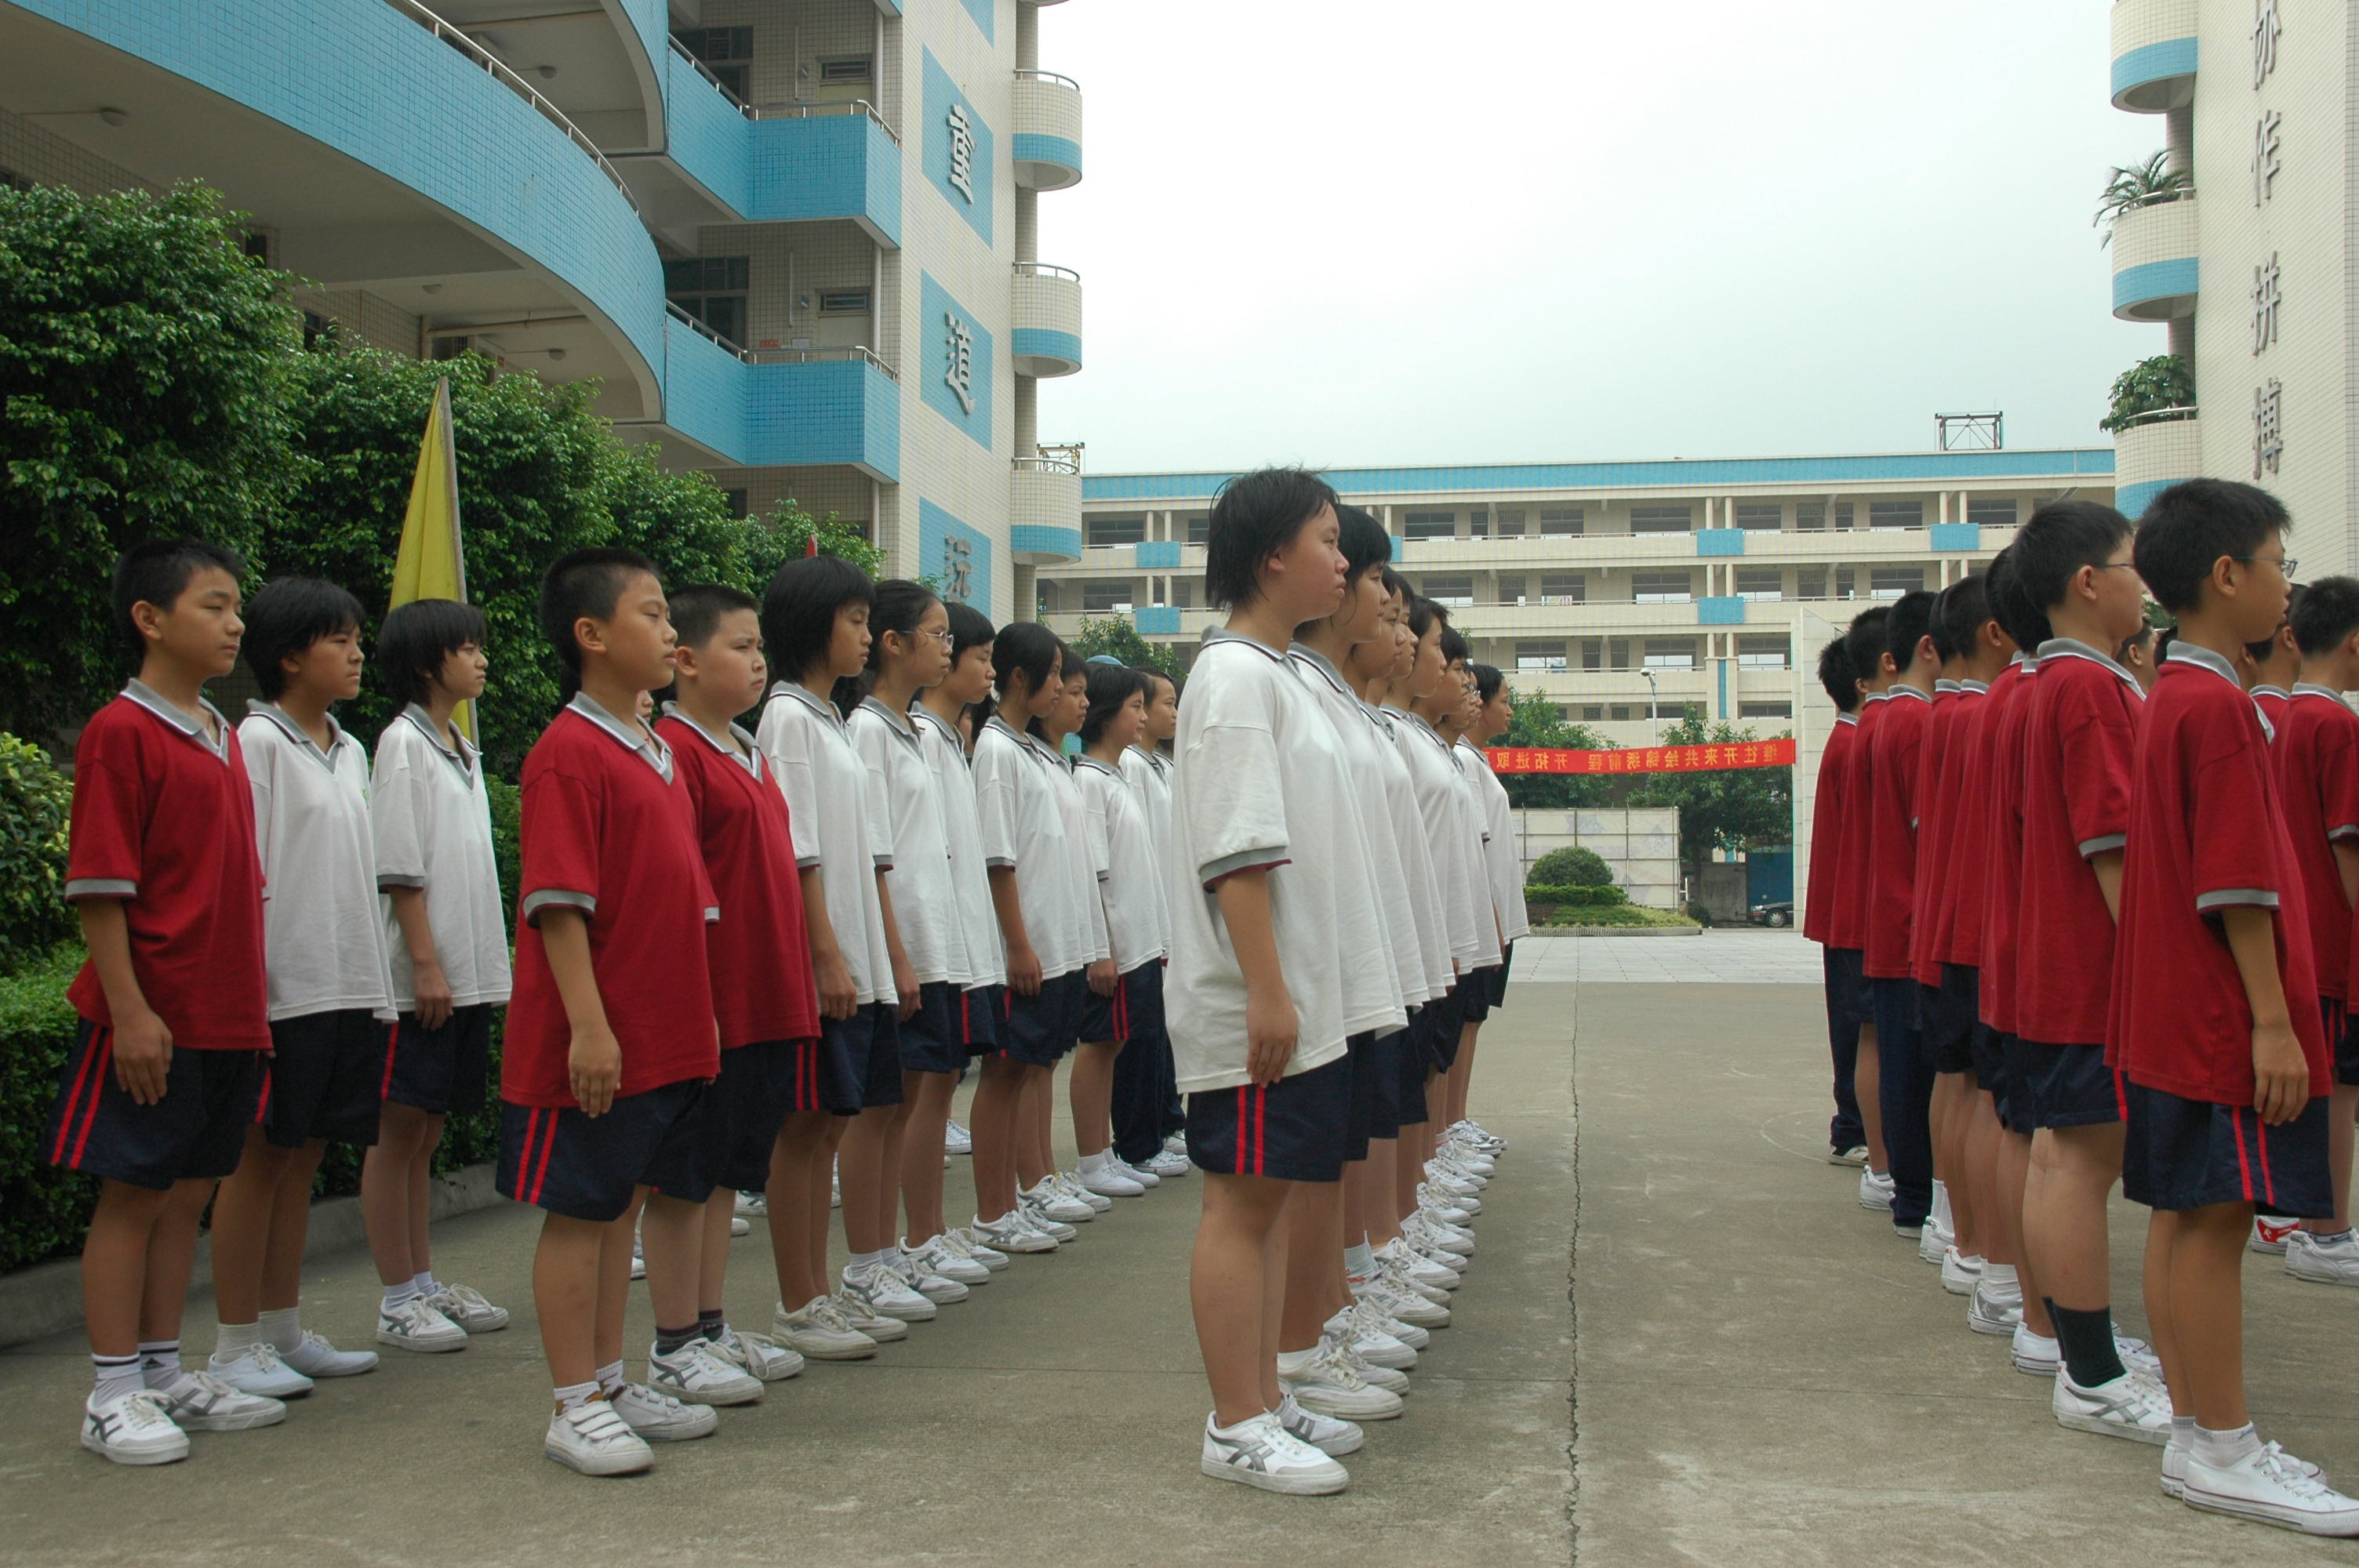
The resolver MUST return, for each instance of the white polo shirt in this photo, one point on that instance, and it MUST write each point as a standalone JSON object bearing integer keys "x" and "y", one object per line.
{"x": 322, "y": 930}
{"x": 1148, "y": 775}
{"x": 978, "y": 921}
{"x": 432, "y": 821}
{"x": 1442, "y": 806}
{"x": 1083, "y": 856}
{"x": 1024, "y": 827}
{"x": 1416, "y": 902}
{"x": 1258, "y": 776}
{"x": 1130, "y": 888}
{"x": 1400, "y": 979}
{"x": 1500, "y": 855}
{"x": 901, "y": 789}
{"x": 826, "y": 784}
{"x": 1475, "y": 838}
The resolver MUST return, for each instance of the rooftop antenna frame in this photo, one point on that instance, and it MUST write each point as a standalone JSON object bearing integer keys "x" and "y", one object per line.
{"x": 1972, "y": 432}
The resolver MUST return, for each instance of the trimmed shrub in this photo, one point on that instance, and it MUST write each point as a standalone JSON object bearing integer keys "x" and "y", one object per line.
{"x": 1571, "y": 866}
{"x": 1607, "y": 896}
{"x": 34, "y": 799}
{"x": 43, "y": 1211}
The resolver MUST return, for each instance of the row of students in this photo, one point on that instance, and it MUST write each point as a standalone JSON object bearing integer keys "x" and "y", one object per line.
{"x": 2096, "y": 929}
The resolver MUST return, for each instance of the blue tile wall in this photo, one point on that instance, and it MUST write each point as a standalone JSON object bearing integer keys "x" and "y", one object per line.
{"x": 1045, "y": 539}
{"x": 2155, "y": 62}
{"x": 1720, "y": 542}
{"x": 835, "y": 166}
{"x": 1720, "y": 611}
{"x": 2156, "y": 280}
{"x": 706, "y": 134}
{"x": 933, "y": 135}
{"x": 1035, "y": 146}
{"x": 1159, "y": 554}
{"x": 2132, "y": 499}
{"x": 651, "y": 23}
{"x": 1045, "y": 343}
{"x": 1955, "y": 536}
{"x": 840, "y": 411}
{"x": 931, "y": 359}
{"x": 1156, "y": 620}
{"x": 981, "y": 10}
{"x": 944, "y": 545}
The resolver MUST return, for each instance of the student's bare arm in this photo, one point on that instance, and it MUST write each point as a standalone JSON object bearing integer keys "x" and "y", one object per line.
{"x": 2107, "y": 865}
{"x": 426, "y": 979}
{"x": 2280, "y": 1076}
{"x": 593, "y": 1067}
{"x": 1023, "y": 964}
{"x": 837, "y": 995}
{"x": 1271, "y": 1025}
{"x": 905, "y": 974}
{"x": 143, "y": 1044}
{"x": 2346, "y": 865}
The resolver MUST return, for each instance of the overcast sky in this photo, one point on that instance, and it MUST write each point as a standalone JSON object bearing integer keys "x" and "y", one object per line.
{"x": 1381, "y": 233}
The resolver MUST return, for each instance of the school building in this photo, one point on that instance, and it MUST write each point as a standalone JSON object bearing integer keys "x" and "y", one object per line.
{"x": 793, "y": 239}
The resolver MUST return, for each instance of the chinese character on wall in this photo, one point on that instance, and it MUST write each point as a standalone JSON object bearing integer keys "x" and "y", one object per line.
{"x": 2268, "y": 429}
{"x": 2265, "y": 303}
{"x": 962, "y": 151}
{"x": 958, "y": 567}
{"x": 2266, "y": 30}
{"x": 2266, "y": 148}
{"x": 959, "y": 373}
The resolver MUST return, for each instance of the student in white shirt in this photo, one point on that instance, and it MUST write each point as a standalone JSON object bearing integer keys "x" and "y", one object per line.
{"x": 1148, "y": 1117}
{"x": 1492, "y": 709}
{"x": 448, "y": 940}
{"x": 815, "y": 630}
{"x": 1130, "y": 888}
{"x": 1450, "y": 710}
{"x": 909, "y": 651}
{"x": 1273, "y": 909}
{"x": 1054, "y": 1191}
{"x": 331, "y": 1003}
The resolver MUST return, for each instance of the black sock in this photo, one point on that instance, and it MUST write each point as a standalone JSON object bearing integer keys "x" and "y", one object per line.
{"x": 2087, "y": 1340}
{"x": 670, "y": 1339}
{"x": 711, "y": 1325}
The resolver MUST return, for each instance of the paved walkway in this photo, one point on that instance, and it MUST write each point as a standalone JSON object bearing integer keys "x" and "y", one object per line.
{"x": 1742, "y": 956}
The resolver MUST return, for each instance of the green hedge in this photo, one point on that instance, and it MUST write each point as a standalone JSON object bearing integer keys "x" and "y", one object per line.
{"x": 34, "y": 799}
{"x": 1622, "y": 914}
{"x": 1557, "y": 895}
{"x": 1571, "y": 866}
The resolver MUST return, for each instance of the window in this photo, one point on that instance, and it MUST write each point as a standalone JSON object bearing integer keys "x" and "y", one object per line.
{"x": 1991, "y": 512}
{"x": 737, "y": 499}
{"x": 1124, "y": 528}
{"x": 1560, "y": 520}
{"x": 844, "y": 68}
{"x": 1430, "y": 525}
{"x": 1759, "y": 583}
{"x": 11, "y": 181}
{"x": 1621, "y": 711}
{"x": 1593, "y": 653}
{"x": 1843, "y": 515}
{"x": 844, "y": 302}
{"x": 1589, "y": 711}
{"x": 1765, "y": 710}
{"x": 1563, "y": 588}
{"x": 1891, "y": 583}
{"x": 1678, "y": 519}
{"x": 712, "y": 290}
{"x": 1662, "y": 587}
{"x": 1539, "y": 656}
{"x": 1811, "y": 582}
{"x": 1511, "y": 590}
{"x": 1761, "y": 653}
{"x": 318, "y": 329}
{"x": 723, "y": 51}
{"x": 1617, "y": 652}
{"x": 1511, "y": 521}
{"x": 1199, "y": 526}
{"x": 1845, "y": 582}
{"x": 1810, "y": 517}
{"x": 1896, "y": 514}
{"x": 1478, "y": 523}
{"x": 1670, "y": 654}
{"x": 1454, "y": 591}
{"x": 1767, "y": 515}
{"x": 1103, "y": 596}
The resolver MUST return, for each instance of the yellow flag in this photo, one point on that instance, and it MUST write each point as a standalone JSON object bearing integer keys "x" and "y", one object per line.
{"x": 431, "y": 562}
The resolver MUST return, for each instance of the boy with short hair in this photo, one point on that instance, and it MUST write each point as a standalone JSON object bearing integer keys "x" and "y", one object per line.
{"x": 167, "y": 1066}
{"x": 2215, "y": 1028}
{"x": 1845, "y": 1135}
{"x": 611, "y": 1036}
{"x": 2072, "y": 558}
{"x": 2276, "y": 665}
{"x": 1905, "y": 1088}
{"x": 1847, "y": 926}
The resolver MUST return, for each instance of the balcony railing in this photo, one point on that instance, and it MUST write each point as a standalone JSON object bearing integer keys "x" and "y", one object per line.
{"x": 779, "y": 356}
{"x": 783, "y": 111}
{"x": 1047, "y": 465}
{"x": 1051, "y": 77}
{"x": 1042, "y": 269}
{"x": 2160, "y": 417}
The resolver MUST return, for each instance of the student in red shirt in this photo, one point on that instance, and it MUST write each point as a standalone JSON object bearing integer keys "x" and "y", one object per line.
{"x": 2224, "y": 1073}
{"x": 167, "y": 1066}
{"x": 1895, "y": 755}
{"x": 2276, "y": 665}
{"x": 1846, "y": 1138}
{"x": 2072, "y": 557}
{"x": 1847, "y": 921}
{"x": 611, "y": 1036}
{"x": 2317, "y": 759}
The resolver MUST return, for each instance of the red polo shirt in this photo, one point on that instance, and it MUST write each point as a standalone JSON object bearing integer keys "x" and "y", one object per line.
{"x": 1960, "y": 896}
{"x": 2078, "y": 743}
{"x": 2272, "y": 701}
{"x": 2207, "y": 832}
{"x": 2317, "y": 763}
{"x": 2002, "y": 845}
{"x": 1826, "y": 829}
{"x": 1847, "y": 921}
{"x": 1937, "y": 798}
{"x": 1892, "y": 833}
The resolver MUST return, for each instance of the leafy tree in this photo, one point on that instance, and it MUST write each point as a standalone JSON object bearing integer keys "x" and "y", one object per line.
{"x": 1733, "y": 808}
{"x": 1534, "y": 721}
{"x": 2150, "y": 386}
{"x": 143, "y": 360}
{"x": 1571, "y": 866}
{"x": 1118, "y": 638}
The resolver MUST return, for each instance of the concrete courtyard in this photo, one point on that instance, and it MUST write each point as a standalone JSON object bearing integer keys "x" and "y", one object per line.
{"x": 1681, "y": 1341}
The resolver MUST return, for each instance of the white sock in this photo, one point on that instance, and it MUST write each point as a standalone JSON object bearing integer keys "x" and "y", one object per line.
{"x": 573, "y": 1394}
{"x": 1942, "y": 1203}
{"x": 610, "y": 1379}
{"x": 1092, "y": 1163}
{"x": 2001, "y": 1280}
{"x": 113, "y": 1377}
{"x": 861, "y": 1265}
{"x": 423, "y": 1280}
{"x": 2182, "y": 1433}
{"x": 400, "y": 1295}
{"x": 159, "y": 1363}
{"x": 1294, "y": 1359}
{"x": 284, "y": 1328}
{"x": 2225, "y": 1448}
{"x": 230, "y": 1339}
{"x": 1360, "y": 1261}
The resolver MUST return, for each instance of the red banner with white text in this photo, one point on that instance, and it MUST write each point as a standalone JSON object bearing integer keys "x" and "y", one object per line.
{"x": 1645, "y": 759}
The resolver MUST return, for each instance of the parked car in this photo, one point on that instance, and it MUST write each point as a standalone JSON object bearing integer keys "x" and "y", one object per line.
{"x": 1779, "y": 913}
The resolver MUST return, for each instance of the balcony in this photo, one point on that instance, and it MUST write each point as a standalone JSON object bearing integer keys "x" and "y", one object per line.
{"x": 1043, "y": 511}
{"x": 1045, "y": 332}
{"x": 2154, "y": 55}
{"x": 1047, "y": 143}
{"x": 808, "y": 407}
{"x": 2165, "y": 446}
{"x": 2155, "y": 270}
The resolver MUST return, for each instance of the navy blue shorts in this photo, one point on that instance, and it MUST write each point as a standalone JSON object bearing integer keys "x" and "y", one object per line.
{"x": 2342, "y": 1048}
{"x": 1042, "y": 1029}
{"x": 1135, "y": 1009}
{"x": 726, "y": 1141}
{"x": 1414, "y": 1065}
{"x": 585, "y": 1167}
{"x": 1435, "y": 1030}
{"x": 445, "y": 1071}
{"x": 2180, "y": 1154}
{"x": 980, "y": 1013}
{"x": 326, "y": 1079}
{"x": 1949, "y": 1011}
{"x": 1477, "y": 990}
{"x": 859, "y": 1060}
{"x": 2061, "y": 1085}
{"x": 933, "y": 1040}
{"x": 1989, "y": 1051}
{"x": 197, "y": 1129}
{"x": 1845, "y": 969}
{"x": 1383, "y": 1081}
{"x": 1294, "y": 1129}
{"x": 1360, "y": 1120}
{"x": 1499, "y": 976}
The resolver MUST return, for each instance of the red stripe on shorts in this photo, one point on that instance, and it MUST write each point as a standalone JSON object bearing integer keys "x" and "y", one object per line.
{"x": 2269, "y": 1179}
{"x": 548, "y": 1147}
{"x": 97, "y": 1091}
{"x": 392, "y": 1044}
{"x": 2243, "y": 1163}
{"x": 262, "y": 1101}
{"x": 82, "y": 1076}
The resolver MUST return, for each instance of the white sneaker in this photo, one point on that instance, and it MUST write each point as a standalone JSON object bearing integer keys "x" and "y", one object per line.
{"x": 1875, "y": 1191}
{"x": 659, "y": 1418}
{"x": 1046, "y": 1198}
{"x": 1431, "y": 1236}
{"x": 1960, "y": 1273}
{"x": 1431, "y": 1275}
{"x": 135, "y": 1429}
{"x": 1409, "y": 1284}
{"x": 696, "y": 1374}
{"x": 2328, "y": 1261}
{"x": 2271, "y": 1234}
{"x": 819, "y": 1330}
{"x": 883, "y": 1295}
{"x": 835, "y": 1187}
{"x": 1433, "y": 1202}
{"x": 751, "y": 1205}
{"x": 416, "y": 1325}
{"x": 2034, "y": 1355}
{"x": 1260, "y": 1452}
{"x": 199, "y": 1401}
{"x": 1854, "y": 1155}
{"x": 1400, "y": 1306}
{"x": 1143, "y": 1177}
{"x": 1110, "y": 1181}
{"x": 466, "y": 1307}
{"x": 258, "y": 1369}
{"x": 638, "y": 1258}
{"x": 2270, "y": 1486}
{"x": 937, "y": 1259}
{"x": 961, "y": 1242}
{"x": 594, "y": 1440}
{"x": 1932, "y": 1243}
{"x": 1989, "y": 1314}
{"x": 759, "y": 1354}
{"x": 956, "y": 1139}
{"x": 1321, "y": 1380}
{"x": 2181, "y": 1444}
{"x": 857, "y": 1312}
{"x": 1176, "y": 1144}
{"x": 1010, "y": 1233}
{"x": 739, "y": 1226}
{"x": 315, "y": 1358}
{"x": 1363, "y": 1327}
{"x": 2133, "y": 1406}
{"x": 1331, "y": 1437}
{"x": 1376, "y": 1377}
{"x": 1070, "y": 1184}
{"x": 1037, "y": 1216}
{"x": 1459, "y": 1189}
{"x": 1169, "y": 1165}
{"x": 939, "y": 1289}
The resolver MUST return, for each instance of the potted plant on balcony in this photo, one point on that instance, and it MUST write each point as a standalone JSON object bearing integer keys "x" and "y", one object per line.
{"x": 2148, "y": 184}
{"x": 2149, "y": 391}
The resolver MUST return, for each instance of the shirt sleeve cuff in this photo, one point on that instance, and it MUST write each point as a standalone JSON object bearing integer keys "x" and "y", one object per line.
{"x": 388, "y": 881}
{"x": 1213, "y": 873}
{"x": 2347, "y": 830}
{"x": 807, "y": 863}
{"x": 999, "y": 862}
{"x": 2235, "y": 897}
{"x": 534, "y": 902}
{"x": 884, "y": 862}
{"x": 2089, "y": 847}
{"x": 99, "y": 887}
{"x": 712, "y": 914}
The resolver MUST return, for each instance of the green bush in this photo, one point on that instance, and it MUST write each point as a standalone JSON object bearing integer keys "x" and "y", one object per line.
{"x": 1571, "y": 866}
{"x": 43, "y": 1211}
{"x": 35, "y": 798}
{"x": 1599, "y": 915}
{"x": 1574, "y": 895}
{"x": 508, "y": 820}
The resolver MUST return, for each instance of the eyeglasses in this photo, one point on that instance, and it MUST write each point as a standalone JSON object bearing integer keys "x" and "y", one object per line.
{"x": 2284, "y": 564}
{"x": 942, "y": 637}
